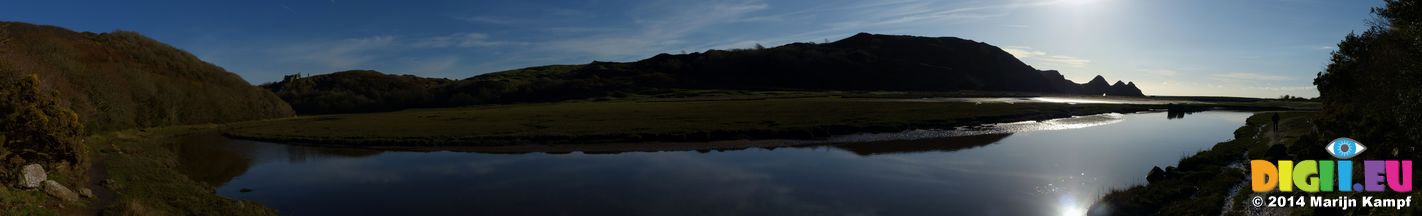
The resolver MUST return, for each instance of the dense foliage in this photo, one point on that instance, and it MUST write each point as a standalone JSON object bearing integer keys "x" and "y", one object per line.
{"x": 1372, "y": 89}
{"x": 862, "y": 62}
{"x": 34, "y": 127}
{"x": 124, "y": 80}
{"x": 355, "y": 91}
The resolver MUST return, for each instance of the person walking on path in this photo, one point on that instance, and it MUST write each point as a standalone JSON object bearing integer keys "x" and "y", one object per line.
{"x": 1276, "y": 123}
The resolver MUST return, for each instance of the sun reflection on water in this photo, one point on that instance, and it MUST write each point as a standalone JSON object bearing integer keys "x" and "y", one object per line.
{"x": 1075, "y": 100}
{"x": 1071, "y": 193}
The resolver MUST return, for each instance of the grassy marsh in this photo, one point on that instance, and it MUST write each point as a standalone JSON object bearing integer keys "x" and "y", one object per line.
{"x": 649, "y": 120}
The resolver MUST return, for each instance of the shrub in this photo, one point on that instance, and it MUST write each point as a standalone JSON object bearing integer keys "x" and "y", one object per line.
{"x": 34, "y": 127}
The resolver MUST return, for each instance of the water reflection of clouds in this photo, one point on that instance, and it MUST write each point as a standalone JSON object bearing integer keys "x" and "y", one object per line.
{"x": 1062, "y": 100}
{"x": 342, "y": 169}
{"x": 1074, "y": 122}
{"x": 740, "y": 186}
{"x": 1047, "y": 172}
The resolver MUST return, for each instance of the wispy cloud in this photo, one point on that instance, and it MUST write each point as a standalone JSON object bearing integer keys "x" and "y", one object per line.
{"x": 287, "y": 8}
{"x": 489, "y": 20}
{"x": 465, "y": 40}
{"x": 880, "y": 14}
{"x": 662, "y": 29}
{"x": 1161, "y": 72}
{"x": 1065, "y": 60}
{"x": 344, "y": 53}
{"x": 1029, "y": 54}
{"x": 1022, "y": 52}
{"x": 382, "y": 50}
{"x": 1248, "y": 77}
{"x": 430, "y": 66}
{"x": 1283, "y": 88}
{"x": 533, "y": 17}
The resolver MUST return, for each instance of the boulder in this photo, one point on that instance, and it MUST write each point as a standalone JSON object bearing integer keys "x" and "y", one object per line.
{"x": 1155, "y": 174}
{"x": 59, "y": 191}
{"x": 32, "y": 175}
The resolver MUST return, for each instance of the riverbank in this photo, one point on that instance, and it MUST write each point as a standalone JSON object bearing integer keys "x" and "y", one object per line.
{"x": 141, "y": 169}
{"x": 1216, "y": 181}
{"x": 589, "y": 122}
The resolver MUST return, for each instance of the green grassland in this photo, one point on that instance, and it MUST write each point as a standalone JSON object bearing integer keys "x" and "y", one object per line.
{"x": 143, "y": 172}
{"x": 137, "y": 174}
{"x": 650, "y": 120}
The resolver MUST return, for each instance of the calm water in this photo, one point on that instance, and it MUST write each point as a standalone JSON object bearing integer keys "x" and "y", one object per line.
{"x": 1046, "y": 168}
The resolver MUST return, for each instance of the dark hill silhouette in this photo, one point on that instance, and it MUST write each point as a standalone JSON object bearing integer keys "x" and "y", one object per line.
{"x": 355, "y": 91}
{"x": 122, "y": 79}
{"x": 861, "y": 62}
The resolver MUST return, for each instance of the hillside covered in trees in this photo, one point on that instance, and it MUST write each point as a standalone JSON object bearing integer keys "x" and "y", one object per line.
{"x": 863, "y": 62}
{"x": 121, "y": 79}
{"x": 356, "y": 91}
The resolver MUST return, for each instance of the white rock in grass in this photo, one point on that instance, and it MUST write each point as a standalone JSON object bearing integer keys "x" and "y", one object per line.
{"x": 32, "y": 175}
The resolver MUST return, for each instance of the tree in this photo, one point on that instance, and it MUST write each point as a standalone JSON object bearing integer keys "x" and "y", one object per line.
{"x": 1372, "y": 88}
{"x": 34, "y": 127}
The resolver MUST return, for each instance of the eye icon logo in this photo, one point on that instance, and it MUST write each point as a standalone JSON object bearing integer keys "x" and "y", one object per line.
{"x": 1344, "y": 148}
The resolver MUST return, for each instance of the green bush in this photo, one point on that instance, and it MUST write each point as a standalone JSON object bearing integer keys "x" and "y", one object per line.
{"x": 35, "y": 127}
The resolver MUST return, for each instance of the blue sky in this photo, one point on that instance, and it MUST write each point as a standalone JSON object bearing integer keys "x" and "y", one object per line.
{"x": 1261, "y": 48}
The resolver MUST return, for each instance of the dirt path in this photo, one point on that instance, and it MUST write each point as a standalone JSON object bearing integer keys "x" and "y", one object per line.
{"x": 98, "y": 173}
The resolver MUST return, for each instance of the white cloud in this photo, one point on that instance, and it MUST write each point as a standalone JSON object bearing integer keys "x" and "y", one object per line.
{"x": 1028, "y": 54}
{"x": 1022, "y": 52}
{"x": 1065, "y": 60}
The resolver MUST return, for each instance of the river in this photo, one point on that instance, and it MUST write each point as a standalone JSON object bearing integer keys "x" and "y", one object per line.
{"x": 1028, "y": 168}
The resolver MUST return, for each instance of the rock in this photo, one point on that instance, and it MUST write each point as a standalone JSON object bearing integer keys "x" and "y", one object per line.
{"x": 59, "y": 191}
{"x": 32, "y": 175}
{"x": 1156, "y": 174}
{"x": 86, "y": 193}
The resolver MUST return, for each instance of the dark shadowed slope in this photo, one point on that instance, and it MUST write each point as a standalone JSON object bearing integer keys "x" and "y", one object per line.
{"x": 861, "y": 62}
{"x": 123, "y": 80}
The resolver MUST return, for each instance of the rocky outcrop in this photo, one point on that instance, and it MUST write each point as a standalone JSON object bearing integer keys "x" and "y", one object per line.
{"x": 1124, "y": 89}
{"x": 31, "y": 176}
{"x": 1097, "y": 86}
